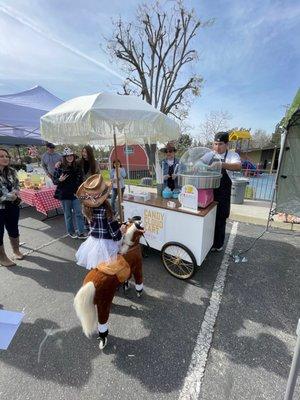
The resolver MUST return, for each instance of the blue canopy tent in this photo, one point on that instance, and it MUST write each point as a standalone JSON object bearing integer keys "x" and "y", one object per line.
{"x": 20, "y": 115}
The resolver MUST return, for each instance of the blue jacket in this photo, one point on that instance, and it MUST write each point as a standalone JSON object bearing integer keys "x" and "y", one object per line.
{"x": 165, "y": 171}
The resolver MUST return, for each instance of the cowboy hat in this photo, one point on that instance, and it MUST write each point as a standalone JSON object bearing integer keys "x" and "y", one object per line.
{"x": 169, "y": 147}
{"x": 94, "y": 191}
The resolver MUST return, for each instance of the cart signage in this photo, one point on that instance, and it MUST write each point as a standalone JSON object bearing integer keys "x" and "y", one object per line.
{"x": 154, "y": 220}
{"x": 154, "y": 223}
{"x": 188, "y": 197}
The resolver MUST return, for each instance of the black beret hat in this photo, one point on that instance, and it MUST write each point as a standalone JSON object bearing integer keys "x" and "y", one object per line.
{"x": 222, "y": 137}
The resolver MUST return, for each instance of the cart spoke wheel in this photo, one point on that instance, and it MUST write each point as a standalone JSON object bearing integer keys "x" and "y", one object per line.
{"x": 178, "y": 260}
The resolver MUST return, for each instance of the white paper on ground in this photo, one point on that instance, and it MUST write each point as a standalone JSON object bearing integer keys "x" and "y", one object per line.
{"x": 9, "y": 324}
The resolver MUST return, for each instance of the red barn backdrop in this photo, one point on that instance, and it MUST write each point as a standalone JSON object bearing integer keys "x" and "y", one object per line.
{"x": 137, "y": 157}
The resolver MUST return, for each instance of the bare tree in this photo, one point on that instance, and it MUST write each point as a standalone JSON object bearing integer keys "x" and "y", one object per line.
{"x": 156, "y": 52}
{"x": 214, "y": 122}
{"x": 260, "y": 139}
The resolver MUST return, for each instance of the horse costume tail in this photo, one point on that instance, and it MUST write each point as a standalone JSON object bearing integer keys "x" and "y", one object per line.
{"x": 86, "y": 309}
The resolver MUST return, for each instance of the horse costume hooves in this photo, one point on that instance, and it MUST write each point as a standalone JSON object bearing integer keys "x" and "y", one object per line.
{"x": 125, "y": 286}
{"x": 102, "y": 339}
{"x": 102, "y": 343}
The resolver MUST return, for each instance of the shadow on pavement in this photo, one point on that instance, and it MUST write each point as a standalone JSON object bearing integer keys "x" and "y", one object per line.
{"x": 260, "y": 306}
{"x": 64, "y": 357}
{"x": 161, "y": 358}
{"x": 62, "y": 276}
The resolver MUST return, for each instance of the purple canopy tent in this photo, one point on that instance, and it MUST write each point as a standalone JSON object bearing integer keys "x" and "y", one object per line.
{"x": 20, "y": 115}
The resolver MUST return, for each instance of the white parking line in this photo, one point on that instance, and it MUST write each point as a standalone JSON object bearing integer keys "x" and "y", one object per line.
{"x": 43, "y": 245}
{"x": 192, "y": 384}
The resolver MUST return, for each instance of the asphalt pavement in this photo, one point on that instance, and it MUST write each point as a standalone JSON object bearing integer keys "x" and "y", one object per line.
{"x": 152, "y": 339}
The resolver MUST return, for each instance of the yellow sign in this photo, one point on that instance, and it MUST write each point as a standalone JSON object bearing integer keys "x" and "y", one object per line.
{"x": 153, "y": 221}
{"x": 237, "y": 135}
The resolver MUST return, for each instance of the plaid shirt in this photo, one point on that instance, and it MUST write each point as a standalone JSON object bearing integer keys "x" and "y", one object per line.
{"x": 102, "y": 227}
{"x": 8, "y": 184}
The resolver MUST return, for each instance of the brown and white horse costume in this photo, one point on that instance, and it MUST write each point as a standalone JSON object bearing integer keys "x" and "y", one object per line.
{"x": 93, "y": 301}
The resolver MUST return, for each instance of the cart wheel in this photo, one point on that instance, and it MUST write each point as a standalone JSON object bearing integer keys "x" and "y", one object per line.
{"x": 178, "y": 260}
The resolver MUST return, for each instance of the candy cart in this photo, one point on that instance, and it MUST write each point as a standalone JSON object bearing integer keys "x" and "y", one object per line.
{"x": 181, "y": 229}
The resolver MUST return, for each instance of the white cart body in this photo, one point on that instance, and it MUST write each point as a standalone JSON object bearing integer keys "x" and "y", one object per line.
{"x": 163, "y": 225}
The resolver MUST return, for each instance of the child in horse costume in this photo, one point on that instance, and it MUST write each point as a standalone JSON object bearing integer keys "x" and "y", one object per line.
{"x": 93, "y": 301}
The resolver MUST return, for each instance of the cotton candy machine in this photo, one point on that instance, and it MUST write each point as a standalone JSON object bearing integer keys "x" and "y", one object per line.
{"x": 200, "y": 167}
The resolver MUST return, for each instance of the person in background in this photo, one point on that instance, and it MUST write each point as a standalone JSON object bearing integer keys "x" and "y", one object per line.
{"x": 87, "y": 162}
{"x": 114, "y": 180}
{"x": 50, "y": 159}
{"x": 169, "y": 167}
{"x": 68, "y": 177}
{"x": 9, "y": 209}
{"x": 29, "y": 166}
{"x": 230, "y": 162}
{"x": 104, "y": 240}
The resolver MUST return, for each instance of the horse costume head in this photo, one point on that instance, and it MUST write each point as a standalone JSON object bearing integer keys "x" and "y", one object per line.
{"x": 101, "y": 283}
{"x": 134, "y": 231}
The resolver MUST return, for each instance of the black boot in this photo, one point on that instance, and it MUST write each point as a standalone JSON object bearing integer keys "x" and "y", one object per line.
{"x": 103, "y": 339}
{"x": 139, "y": 292}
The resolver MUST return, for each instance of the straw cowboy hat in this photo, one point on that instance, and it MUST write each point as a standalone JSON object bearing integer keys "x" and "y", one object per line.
{"x": 94, "y": 191}
{"x": 169, "y": 147}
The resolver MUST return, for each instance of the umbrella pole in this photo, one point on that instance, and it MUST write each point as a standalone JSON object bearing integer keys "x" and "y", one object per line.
{"x": 118, "y": 180}
{"x": 127, "y": 165}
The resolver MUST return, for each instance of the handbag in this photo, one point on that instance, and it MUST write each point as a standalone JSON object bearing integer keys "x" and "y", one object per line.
{"x": 17, "y": 202}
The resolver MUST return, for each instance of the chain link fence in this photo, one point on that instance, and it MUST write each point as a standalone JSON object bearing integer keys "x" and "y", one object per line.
{"x": 260, "y": 187}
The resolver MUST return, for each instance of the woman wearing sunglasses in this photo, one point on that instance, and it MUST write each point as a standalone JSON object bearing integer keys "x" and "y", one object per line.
{"x": 169, "y": 167}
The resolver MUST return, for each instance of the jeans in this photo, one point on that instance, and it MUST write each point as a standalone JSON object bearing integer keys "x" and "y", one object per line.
{"x": 114, "y": 195}
{"x": 73, "y": 207}
{"x": 9, "y": 218}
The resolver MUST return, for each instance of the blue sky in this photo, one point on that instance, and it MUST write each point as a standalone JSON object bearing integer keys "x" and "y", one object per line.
{"x": 249, "y": 58}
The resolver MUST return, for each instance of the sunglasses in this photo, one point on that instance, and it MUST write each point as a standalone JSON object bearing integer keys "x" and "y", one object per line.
{"x": 170, "y": 151}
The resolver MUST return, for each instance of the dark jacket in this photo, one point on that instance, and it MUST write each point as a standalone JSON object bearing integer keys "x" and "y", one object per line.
{"x": 66, "y": 190}
{"x": 86, "y": 168}
{"x": 165, "y": 171}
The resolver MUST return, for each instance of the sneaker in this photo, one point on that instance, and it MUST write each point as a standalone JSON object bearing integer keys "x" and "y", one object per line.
{"x": 73, "y": 235}
{"x": 216, "y": 249}
{"x": 82, "y": 236}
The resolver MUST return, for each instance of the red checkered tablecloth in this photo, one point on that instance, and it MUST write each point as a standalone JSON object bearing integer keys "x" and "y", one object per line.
{"x": 43, "y": 200}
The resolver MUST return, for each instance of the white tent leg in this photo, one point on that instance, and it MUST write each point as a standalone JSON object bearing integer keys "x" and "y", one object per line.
{"x": 127, "y": 165}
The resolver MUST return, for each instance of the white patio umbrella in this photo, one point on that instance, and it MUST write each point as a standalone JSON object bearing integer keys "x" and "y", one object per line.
{"x": 108, "y": 119}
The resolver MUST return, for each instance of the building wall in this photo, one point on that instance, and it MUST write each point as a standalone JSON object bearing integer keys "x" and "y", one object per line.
{"x": 253, "y": 156}
{"x": 137, "y": 157}
{"x": 262, "y": 158}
